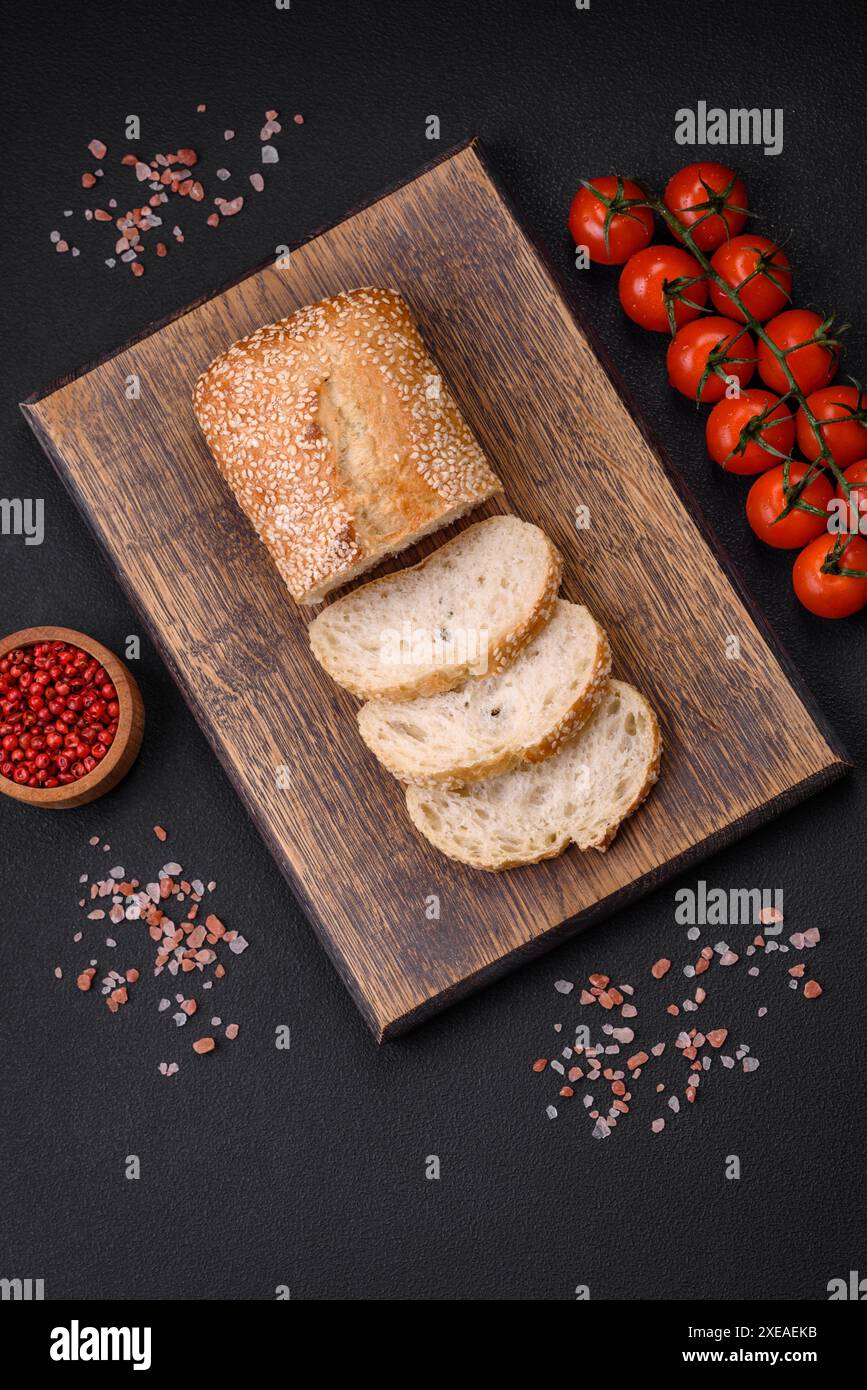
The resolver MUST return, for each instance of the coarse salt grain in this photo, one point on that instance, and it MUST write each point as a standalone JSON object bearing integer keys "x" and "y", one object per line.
{"x": 767, "y": 915}
{"x": 689, "y": 1043}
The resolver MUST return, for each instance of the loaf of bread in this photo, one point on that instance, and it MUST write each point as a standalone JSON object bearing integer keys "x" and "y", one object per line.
{"x": 579, "y": 796}
{"x": 339, "y": 438}
{"x": 524, "y": 714}
{"x": 463, "y": 613}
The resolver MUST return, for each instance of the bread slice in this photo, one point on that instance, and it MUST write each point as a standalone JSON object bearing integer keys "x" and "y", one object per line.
{"x": 579, "y": 796}
{"x": 464, "y": 612}
{"x": 488, "y": 726}
{"x": 339, "y": 437}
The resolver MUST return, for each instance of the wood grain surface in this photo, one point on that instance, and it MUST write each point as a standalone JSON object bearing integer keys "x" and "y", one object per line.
{"x": 741, "y": 739}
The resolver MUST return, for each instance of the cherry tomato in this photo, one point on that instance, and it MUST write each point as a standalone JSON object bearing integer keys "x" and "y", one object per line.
{"x": 847, "y": 436}
{"x": 710, "y": 200}
{"x": 765, "y": 502}
{"x": 831, "y": 595}
{"x": 690, "y": 349}
{"x": 741, "y": 453}
{"x": 759, "y": 270}
{"x": 629, "y": 229}
{"x": 645, "y": 278}
{"x": 856, "y": 473}
{"x": 812, "y": 365}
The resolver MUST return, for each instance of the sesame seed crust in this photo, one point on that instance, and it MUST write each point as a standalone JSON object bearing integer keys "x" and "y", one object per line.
{"x": 339, "y": 438}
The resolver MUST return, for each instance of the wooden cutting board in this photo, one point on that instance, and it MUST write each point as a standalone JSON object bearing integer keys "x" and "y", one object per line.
{"x": 742, "y": 740}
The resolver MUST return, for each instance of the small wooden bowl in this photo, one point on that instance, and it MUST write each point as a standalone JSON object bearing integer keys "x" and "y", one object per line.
{"x": 127, "y": 741}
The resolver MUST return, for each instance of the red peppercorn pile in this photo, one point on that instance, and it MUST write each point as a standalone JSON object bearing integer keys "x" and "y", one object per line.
{"x": 58, "y": 714}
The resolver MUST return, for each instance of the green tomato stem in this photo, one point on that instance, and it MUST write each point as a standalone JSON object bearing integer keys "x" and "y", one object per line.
{"x": 684, "y": 235}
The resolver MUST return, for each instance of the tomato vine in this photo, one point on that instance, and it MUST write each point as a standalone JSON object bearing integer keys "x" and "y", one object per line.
{"x": 717, "y": 206}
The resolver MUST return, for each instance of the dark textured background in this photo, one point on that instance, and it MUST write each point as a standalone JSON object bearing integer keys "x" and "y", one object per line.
{"x": 262, "y": 1167}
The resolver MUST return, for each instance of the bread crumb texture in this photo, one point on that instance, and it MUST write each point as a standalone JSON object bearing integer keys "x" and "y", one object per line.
{"x": 580, "y": 795}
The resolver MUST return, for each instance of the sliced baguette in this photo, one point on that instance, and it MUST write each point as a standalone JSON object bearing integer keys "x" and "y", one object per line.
{"x": 464, "y": 612}
{"x": 579, "y": 796}
{"x": 488, "y": 726}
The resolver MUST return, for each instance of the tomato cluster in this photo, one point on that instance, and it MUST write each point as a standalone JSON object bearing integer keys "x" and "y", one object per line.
{"x": 723, "y": 295}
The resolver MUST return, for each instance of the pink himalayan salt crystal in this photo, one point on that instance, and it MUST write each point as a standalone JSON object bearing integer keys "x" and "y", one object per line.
{"x": 769, "y": 915}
